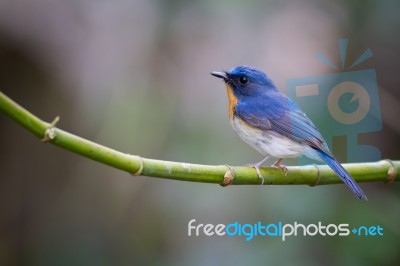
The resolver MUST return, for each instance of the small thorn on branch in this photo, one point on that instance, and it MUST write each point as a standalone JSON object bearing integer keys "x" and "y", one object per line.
{"x": 50, "y": 133}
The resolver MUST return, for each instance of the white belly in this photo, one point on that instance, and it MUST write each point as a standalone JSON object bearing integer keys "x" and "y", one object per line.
{"x": 268, "y": 142}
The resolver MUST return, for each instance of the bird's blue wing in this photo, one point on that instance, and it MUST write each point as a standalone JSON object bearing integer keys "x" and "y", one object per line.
{"x": 259, "y": 112}
{"x": 284, "y": 117}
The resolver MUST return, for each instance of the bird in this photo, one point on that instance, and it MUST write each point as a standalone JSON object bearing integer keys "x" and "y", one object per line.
{"x": 273, "y": 124}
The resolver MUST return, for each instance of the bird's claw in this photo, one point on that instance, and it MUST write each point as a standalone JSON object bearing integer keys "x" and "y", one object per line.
{"x": 278, "y": 165}
{"x": 282, "y": 167}
{"x": 257, "y": 167}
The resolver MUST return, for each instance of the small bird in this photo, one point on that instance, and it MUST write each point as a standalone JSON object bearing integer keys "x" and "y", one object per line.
{"x": 273, "y": 124}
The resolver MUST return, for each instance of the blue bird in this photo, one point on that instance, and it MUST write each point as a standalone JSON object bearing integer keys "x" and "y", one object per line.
{"x": 273, "y": 124}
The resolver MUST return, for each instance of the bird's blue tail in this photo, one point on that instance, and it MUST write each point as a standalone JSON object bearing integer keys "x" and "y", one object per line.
{"x": 343, "y": 174}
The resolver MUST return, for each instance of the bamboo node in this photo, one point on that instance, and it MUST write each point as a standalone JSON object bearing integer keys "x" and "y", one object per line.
{"x": 139, "y": 171}
{"x": 392, "y": 172}
{"x": 228, "y": 176}
{"x": 318, "y": 177}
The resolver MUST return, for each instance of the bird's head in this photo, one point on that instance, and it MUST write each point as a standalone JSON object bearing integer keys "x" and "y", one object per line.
{"x": 245, "y": 82}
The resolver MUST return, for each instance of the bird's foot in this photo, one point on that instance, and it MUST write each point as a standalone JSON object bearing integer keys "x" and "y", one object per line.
{"x": 257, "y": 167}
{"x": 278, "y": 164}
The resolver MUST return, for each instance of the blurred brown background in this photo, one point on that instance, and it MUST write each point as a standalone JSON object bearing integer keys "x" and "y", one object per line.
{"x": 134, "y": 76}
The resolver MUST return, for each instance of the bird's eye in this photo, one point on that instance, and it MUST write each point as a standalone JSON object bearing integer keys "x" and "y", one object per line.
{"x": 243, "y": 80}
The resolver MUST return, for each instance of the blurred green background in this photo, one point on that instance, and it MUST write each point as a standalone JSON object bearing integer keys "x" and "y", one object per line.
{"x": 134, "y": 76}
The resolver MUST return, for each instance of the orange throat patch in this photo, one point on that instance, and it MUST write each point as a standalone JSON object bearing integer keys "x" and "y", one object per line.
{"x": 232, "y": 100}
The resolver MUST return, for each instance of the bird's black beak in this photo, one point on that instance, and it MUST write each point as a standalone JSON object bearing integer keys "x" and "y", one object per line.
{"x": 221, "y": 75}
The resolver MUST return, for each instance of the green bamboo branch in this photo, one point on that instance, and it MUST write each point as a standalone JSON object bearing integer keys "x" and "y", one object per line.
{"x": 383, "y": 171}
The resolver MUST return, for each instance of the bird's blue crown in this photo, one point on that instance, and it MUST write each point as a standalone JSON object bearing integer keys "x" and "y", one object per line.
{"x": 253, "y": 74}
{"x": 249, "y": 81}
